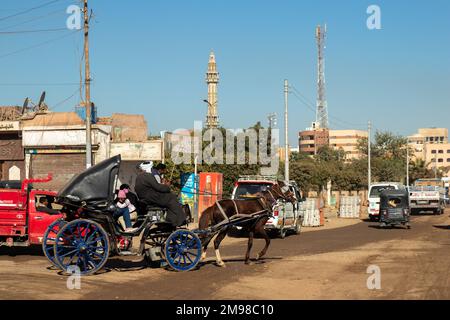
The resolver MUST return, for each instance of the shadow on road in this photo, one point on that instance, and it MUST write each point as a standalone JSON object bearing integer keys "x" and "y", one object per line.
{"x": 373, "y": 226}
{"x": 240, "y": 260}
{"x": 22, "y": 251}
{"x": 442, "y": 227}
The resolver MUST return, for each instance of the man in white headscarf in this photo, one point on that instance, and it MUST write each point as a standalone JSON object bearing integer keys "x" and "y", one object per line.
{"x": 151, "y": 192}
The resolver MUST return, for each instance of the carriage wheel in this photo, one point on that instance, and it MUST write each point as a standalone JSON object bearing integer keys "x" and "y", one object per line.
{"x": 49, "y": 238}
{"x": 83, "y": 246}
{"x": 183, "y": 250}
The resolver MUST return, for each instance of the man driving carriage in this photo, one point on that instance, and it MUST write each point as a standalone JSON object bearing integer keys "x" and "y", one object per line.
{"x": 151, "y": 192}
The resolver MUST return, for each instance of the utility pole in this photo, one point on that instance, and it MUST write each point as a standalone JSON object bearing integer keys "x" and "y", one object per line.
{"x": 435, "y": 164}
{"x": 286, "y": 134}
{"x": 407, "y": 163}
{"x": 87, "y": 81}
{"x": 272, "y": 120}
{"x": 369, "y": 171}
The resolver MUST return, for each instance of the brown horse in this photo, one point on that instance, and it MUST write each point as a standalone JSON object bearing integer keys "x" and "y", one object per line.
{"x": 260, "y": 206}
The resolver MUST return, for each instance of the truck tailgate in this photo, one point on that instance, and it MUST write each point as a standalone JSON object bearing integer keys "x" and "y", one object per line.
{"x": 12, "y": 208}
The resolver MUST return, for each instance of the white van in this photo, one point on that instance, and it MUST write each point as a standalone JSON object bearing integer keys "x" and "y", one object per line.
{"x": 374, "y": 197}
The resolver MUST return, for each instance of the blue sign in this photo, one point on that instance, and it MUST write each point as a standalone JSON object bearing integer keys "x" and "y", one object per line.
{"x": 187, "y": 188}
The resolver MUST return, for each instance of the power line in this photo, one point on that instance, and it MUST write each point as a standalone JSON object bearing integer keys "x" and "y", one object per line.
{"x": 309, "y": 104}
{"x": 32, "y": 31}
{"x": 34, "y": 19}
{"x": 38, "y": 45}
{"x": 29, "y": 10}
{"x": 313, "y": 110}
{"x": 39, "y": 84}
{"x": 66, "y": 99}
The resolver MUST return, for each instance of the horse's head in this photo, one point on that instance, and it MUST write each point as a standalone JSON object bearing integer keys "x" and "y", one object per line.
{"x": 283, "y": 189}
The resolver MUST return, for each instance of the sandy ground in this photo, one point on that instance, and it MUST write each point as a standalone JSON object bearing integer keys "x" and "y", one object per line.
{"x": 322, "y": 263}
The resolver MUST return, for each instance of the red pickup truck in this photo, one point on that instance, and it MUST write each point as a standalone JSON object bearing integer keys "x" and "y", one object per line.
{"x": 23, "y": 220}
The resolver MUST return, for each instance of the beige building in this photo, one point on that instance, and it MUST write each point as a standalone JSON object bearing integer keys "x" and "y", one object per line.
{"x": 348, "y": 141}
{"x": 438, "y": 156}
{"x": 432, "y": 146}
{"x": 417, "y": 145}
{"x": 312, "y": 139}
{"x": 434, "y": 135}
{"x": 427, "y": 136}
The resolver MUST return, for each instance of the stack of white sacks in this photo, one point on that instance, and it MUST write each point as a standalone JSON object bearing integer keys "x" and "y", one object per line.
{"x": 350, "y": 207}
{"x": 311, "y": 213}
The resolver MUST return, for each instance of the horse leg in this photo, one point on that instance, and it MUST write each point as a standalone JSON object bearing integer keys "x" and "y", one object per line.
{"x": 262, "y": 232}
{"x": 205, "y": 247}
{"x": 249, "y": 247}
{"x": 217, "y": 242}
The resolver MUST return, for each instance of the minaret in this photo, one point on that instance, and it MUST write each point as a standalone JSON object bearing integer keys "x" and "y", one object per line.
{"x": 212, "y": 79}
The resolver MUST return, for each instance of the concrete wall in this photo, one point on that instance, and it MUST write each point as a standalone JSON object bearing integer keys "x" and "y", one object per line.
{"x": 61, "y": 136}
{"x": 138, "y": 151}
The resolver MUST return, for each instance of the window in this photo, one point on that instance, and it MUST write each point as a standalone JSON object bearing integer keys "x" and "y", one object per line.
{"x": 441, "y": 151}
{"x": 440, "y": 160}
{"x": 448, "y": 160}
{"x": 448, "y": 151}
{"x": 433, "y": 151}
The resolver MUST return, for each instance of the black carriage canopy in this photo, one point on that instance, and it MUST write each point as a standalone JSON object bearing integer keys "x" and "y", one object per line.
{"x": 94, "y": 184}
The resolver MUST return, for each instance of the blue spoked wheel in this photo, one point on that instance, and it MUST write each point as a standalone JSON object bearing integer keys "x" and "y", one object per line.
{"x": 48, "y": 241}
{"x": 82, "y": 246}
{"x": 183, "y": 250}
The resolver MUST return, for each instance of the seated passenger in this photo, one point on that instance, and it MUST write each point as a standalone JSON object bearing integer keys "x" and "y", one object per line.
{"x": 124, "y": 208}
{"x": 151, "y": 192}
{"x": 130, "y": 195}
{"x": 44, "y": 206}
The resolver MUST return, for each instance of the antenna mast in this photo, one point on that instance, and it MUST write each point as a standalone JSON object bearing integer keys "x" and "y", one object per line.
{"x": 322, "y": 112}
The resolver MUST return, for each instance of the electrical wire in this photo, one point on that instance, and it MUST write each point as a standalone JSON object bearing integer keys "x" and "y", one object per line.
{"x": 66, "y": 99}
{"x": 38, "y": 84}
{"x": 34, "y": 19}
{"x": 308, "y": 103}
{"x": 28, "y": 10}
{"x": 38, "y": 45}
{"x": 32, "y": 31}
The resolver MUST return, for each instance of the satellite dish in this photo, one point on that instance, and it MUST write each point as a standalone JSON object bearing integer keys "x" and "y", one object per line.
{"x": 41, "y": 100}
{"x": 25, "y": 105}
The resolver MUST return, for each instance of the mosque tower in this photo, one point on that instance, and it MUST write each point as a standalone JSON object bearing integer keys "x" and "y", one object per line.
{"x": 212, "y": 80}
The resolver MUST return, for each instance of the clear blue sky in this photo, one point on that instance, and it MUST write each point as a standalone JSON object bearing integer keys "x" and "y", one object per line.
{"x": 150, "y": 57}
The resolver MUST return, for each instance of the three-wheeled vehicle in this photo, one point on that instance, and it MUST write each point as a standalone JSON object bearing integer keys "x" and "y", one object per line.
{"x": 394, "y": 208}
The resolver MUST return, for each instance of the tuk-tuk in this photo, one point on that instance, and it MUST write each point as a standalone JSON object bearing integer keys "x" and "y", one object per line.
{"x": 394, "y": 208}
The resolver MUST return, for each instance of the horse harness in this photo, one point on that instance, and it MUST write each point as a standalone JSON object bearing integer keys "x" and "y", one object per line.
{"x": 238, "y": 215}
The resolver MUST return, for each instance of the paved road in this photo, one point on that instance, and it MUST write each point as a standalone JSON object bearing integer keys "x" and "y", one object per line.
{"x": 328, "y": 264}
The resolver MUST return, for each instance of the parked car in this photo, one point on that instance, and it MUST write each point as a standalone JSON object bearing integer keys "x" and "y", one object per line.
{"x": 286, "y": 216}
{"x": 374, "y": 197}
{"x": 427, "y": 198}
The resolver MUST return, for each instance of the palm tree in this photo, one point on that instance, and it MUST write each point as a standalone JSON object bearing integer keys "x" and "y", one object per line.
{"x": 420, "y": 169}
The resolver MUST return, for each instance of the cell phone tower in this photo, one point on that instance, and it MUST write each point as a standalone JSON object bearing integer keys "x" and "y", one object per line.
{"x": 322, "y": 110}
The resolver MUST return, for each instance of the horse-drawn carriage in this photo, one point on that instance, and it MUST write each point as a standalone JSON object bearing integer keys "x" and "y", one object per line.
{"x": 89, "y": 235}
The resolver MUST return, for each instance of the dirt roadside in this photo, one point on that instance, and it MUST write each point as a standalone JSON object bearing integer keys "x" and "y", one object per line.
{"x": 324, "y": 263}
